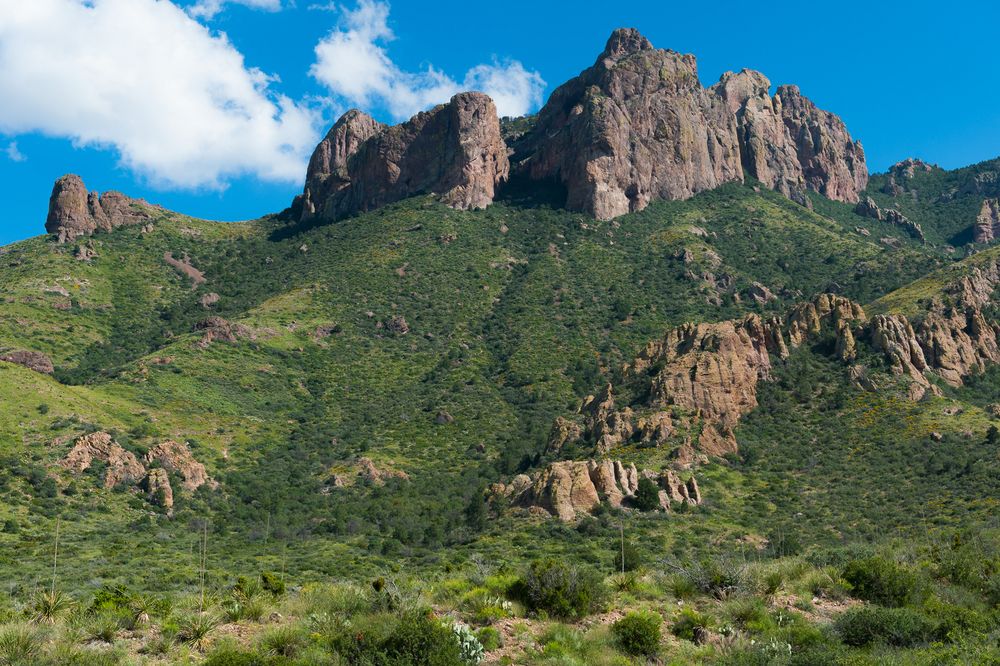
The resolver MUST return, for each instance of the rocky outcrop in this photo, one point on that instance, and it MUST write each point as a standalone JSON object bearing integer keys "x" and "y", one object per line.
{"x": 123, "y": 468}
{"x": 564, "y": 432}
{"x": 635, "y": 127}
{"x": 367, "y": 471}
{"x": 604, "y": 424}
{"x": 73, "y": 212}
{"x": 987, "y": 226}
{"x": 868, "y": 208}
{"x": 454, "y": 151}
{"x": 902, "y": 172}
{"x": 158, "y": 490}
{"x": 789, "y": 144}
{"x": 177, "y": 457}
{"x": 570, "y": 489}
{"x": 32, "y": 360}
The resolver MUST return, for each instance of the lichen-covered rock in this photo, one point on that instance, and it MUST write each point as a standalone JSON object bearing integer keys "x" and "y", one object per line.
{"x": 455, "y": 151}
{"x": 987, "y": 226}
{"x": 635, "y": 127}
{"x": 32, "y": 360}
{"x": 73, "y": 212}
{"x": 177, "y": 457}
{"x": 123, "y": 468}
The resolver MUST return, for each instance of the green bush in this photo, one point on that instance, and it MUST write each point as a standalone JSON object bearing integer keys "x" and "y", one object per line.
{"x": 271, "y": 583}
{"x": 633, "y": 560}
{"x": 417, "y": 637}
{"x": 489, "y": 638}
{"x": 647, "y": 496}
{"x": 899, "y": 627}
{"x": 560, "y": 589}
{"x": 883, "y": 582}
{"x": 638, "y": 633}
{"x": 690, "y": 625}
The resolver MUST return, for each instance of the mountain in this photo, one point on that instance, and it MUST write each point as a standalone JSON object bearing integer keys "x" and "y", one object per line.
{"x": 680, "y": 313}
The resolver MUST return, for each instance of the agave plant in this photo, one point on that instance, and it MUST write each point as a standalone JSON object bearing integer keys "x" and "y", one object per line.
{"x": 47, "y": 606}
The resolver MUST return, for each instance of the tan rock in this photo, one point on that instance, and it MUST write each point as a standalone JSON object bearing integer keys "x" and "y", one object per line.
{"x": 563, "y": 432}
{"x": 122, "y": 466}
{"x": 177, "y": 457}
{"x": 987, "y": 226}
{"x": 158, "y": 490}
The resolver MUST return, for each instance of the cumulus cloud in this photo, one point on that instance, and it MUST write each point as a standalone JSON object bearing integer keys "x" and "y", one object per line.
{"x": 209, "y": 9}
{"x": 353, "y": 64}
{"x": 176, "y": 101}
{"x": 13, "y": 153}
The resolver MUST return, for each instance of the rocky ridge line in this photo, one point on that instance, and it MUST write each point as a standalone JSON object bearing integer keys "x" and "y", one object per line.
{"x": 74, "y": 212}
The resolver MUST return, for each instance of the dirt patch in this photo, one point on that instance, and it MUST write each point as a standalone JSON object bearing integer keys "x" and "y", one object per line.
{"x": 184, "y": 266}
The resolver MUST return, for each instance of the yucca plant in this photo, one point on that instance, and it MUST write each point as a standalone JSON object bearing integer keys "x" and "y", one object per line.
{"x": 195, "y": 629}
{"x": 49, "y": 605}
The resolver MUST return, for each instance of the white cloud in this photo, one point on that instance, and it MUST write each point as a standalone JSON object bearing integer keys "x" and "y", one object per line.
{"x": 352, "y": 62}
{"x": 14, "y": 154}
{"x": 208, "y": 9}
{"x": 177, "y": 102}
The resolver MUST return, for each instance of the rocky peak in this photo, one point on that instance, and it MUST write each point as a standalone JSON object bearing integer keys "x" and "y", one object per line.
{"x": 74, "y": 212}
{"x": 455, "y": 151}
{"x": 624, "y": 42}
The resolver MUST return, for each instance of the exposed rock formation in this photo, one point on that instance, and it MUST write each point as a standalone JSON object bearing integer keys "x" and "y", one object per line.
{"x": 868, "y": 208}
{"x": 901, "y": 172}
{"x": 987, "y": 226}
{"x": 177, "y": 457}
{"x": 634, "y": 127}
{"x": 217, "y": 328}
{"x": 122, "y": 466}
{"x": 789, "y": 144}
{"x": 570, "y": 489}
{"x": 454, "y": 151}
{"x": 73, "y": 212}
{"x": 375, "y": 475}
{"x": 158, "y": 490}
{"x": 36, "y": 361}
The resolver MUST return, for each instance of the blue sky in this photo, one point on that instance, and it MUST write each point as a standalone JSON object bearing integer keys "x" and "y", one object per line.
{"x": 210, "y": 107}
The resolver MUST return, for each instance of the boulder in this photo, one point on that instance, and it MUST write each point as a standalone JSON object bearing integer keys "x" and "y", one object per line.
{"x": 454, "y": 151}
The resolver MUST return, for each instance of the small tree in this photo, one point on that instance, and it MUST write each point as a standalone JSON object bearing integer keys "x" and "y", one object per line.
{"x": 647, "y": 496}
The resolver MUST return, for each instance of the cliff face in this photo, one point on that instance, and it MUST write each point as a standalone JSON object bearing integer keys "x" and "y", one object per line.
{"x": 634, "y": 127}
{"x": 74, "y": 212}
{"x": 454, "y": 151}
{"x": 638, "y": 126}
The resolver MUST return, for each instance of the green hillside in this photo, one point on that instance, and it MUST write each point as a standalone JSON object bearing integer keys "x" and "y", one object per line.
{"x": 441, "y": 345}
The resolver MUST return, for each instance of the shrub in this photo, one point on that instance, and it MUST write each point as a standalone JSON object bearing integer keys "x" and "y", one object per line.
{"x": 638, "y": 633}
{"x": 283, "y": 641}
{"x": 691, "y": 625}
{"x": 489, "y": 638}
{"x": 900, "y": 627}
{"x": 271, "y": 583}
{"x": 647, "y": 496}
{"x": 420, "y": 638}
{"x": 882, "y": 581}
{"x": 228, "y": 654}
{"x": 560, "y": 589}
{"x": 634, "y": 558}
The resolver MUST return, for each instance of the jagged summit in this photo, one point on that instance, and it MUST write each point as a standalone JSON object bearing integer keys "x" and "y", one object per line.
{"x": 625, "y": 41}
{"x": 635, "y": 127}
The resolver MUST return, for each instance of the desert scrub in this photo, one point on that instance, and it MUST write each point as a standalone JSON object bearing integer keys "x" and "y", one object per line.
{"x": 691, "y": 625}
{"x": 561, "y": 590}
{"x": 899, "y": 627}
{"x": 882, "y": 581}
{"x": 638, "y": 633}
